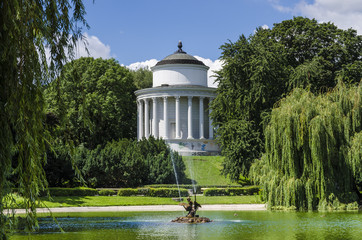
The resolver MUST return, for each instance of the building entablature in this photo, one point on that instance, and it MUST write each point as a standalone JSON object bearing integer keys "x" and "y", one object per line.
{"x": 176, "y": 91}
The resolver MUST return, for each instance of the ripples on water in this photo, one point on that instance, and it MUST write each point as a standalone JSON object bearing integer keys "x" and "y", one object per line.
{"x": 226, "y": 225}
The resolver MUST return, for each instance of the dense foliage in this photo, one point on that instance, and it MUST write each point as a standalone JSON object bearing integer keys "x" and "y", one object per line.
{"x": 96, "y": 100}
{"x": 260, "y": 70}
{"x": 142, "y": 78}
{"x": 124, "y": 163}
{"x": 27, "y": 30}
{"x": 313, "y": 147}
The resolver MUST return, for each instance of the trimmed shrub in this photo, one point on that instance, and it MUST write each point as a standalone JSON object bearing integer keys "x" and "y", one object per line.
{"x": 199, "y": 188}
{"x": 126, "y": 192}
{"x": 185, "y": 186}
{"x": 79, "y": 191}
{"x": 143, "y": 191}
{"x": 215, "y": 192}
{"x": 250, "y": 190}
{"x": 168, "y": 192}
{"x": 236, "y": 191}
{"x": 106, "y": 192}
{"x": 221, "y": 186}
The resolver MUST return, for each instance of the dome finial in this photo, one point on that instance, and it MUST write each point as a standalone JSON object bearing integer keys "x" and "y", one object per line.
{"x": 180, "y": 47}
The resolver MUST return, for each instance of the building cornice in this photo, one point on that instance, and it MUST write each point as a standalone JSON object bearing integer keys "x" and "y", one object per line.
{"x": 176, "y": 90}
{"x": 177, "y": 65}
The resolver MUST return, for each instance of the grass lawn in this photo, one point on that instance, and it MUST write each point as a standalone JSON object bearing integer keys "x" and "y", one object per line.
{"x": 205, "y": 170}
{"x": 133, "y": 201}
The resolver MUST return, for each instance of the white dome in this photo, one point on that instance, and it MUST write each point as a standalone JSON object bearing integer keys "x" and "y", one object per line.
{"x": 179, "y": 69}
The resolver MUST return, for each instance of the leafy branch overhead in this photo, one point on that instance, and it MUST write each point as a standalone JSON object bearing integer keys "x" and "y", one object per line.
{"x": 27, "y": 29}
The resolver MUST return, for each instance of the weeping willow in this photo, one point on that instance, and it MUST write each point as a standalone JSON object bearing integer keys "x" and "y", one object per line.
{"x": 29, "y": 29}
{"x": 312, "y": 156}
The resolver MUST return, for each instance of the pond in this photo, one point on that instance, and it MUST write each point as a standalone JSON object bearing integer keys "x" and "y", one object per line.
{"x": 227, "y": 225}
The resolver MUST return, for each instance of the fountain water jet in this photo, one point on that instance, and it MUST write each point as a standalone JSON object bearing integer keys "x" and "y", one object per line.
{"x": 174, "y": 169}
{"x": 192, "y": 206}
{"x": 191, "y": 167}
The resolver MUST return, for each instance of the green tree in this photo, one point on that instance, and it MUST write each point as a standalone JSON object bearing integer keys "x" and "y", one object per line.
{"x": 27, "y": 29}
{"x": 97, "y": 99}
{"x": 117, "y": 164}
{"x": 142, "y": 78}
{"x": 260, "y": 70}
{"x": 312, "y": 156}
{"x": 59, "y": 168}
{"x": 159, "y": 160}
{"x": 129, "y": 163}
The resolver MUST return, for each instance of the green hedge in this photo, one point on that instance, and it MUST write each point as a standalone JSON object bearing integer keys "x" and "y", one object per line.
{"x": 190, "y": 186}
{"x": 251, "y": 190}
{"x": 168, "y": 192}
{"x": 79, "y": 191}
{"x": 106, "y": 192}
{"x": 153, "y": 192}
{"x": 125, "y": 192}
{"x": 185, "y": 186}
{"x": 215, "y": 192}
{"x": 143, "y": 191}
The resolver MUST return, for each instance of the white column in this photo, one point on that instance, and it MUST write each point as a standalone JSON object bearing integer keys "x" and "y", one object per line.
{"x": 147, "y": 119}
{"x": 211, "y": 129}
{"x": 154, "y": 118}
{"x": 189, "y": 118}
{"x": 165, "y": 118}
{"x": 201, "y": 104}
{"x": 140, "y": 119}
{"x": 178, "y": 117}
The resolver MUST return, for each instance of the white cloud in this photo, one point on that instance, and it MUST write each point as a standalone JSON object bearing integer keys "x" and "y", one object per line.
{"x": 146, "y": 64}
{"x": 96, "y": 48}
{"x": 345, "y": 14}
{"x": 263, "y": 27}
{"x": 214, "y": 66}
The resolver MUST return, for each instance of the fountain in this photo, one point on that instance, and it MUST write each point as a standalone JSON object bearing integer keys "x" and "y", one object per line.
{"x": 174, "y": 169}
{"x": 191, "y": 217}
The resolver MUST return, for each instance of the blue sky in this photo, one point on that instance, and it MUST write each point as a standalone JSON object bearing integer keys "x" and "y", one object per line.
{"x": 140, "y": 32}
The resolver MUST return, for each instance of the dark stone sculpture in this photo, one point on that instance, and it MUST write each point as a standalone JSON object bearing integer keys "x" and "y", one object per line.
{"x": 191, "y": 217}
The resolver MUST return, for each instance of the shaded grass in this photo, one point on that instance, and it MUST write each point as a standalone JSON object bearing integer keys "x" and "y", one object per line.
{"x": 205, "y": 170}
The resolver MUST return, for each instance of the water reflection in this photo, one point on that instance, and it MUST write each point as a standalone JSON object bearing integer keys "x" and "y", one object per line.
{"x": 226, "y": 225}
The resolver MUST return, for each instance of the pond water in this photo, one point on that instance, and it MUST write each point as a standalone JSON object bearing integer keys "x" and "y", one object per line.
{"x": 226, "y": 225}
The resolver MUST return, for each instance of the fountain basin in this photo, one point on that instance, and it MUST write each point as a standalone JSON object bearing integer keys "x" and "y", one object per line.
{"x": 230, "y": 225}
{"x": 192, "y": 220}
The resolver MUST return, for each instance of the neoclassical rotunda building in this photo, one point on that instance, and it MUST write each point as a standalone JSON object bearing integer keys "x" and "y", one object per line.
{"x": 176, "y": 108}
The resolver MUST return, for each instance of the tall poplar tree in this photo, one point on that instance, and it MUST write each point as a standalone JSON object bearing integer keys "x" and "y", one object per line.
{"x": 29, "y": 28}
